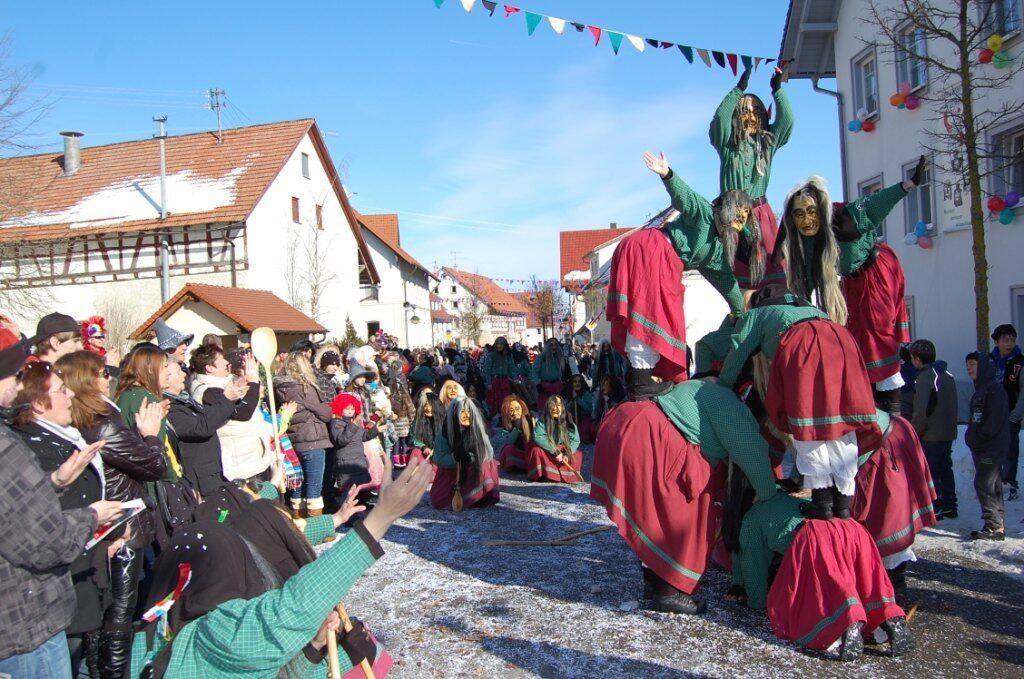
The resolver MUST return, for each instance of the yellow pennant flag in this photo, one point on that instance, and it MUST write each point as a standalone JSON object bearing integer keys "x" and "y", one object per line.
{"x": 638, "y": 43}
{"x": 558, "y": 25}
{"x": 468, "y": 5}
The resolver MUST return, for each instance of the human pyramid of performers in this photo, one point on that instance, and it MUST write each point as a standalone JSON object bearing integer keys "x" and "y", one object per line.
{"x": 689, "y": 466}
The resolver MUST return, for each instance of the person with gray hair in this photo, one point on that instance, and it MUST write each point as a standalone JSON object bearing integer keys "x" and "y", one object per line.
{"x": 464, "y": 459}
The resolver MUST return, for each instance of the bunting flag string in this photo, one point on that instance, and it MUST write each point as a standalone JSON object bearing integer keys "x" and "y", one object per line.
{"x": 725, "y": 60}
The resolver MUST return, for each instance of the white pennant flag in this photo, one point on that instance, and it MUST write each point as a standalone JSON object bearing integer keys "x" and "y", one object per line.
{"x": 468, "y": 5}
{"x": 557, "y": 24}
{"x": 638, "y": 43}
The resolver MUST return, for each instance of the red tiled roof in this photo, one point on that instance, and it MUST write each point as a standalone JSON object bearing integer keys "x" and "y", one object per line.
{"x": 532, "y": 319}
{"x": 385, "y": 227}
{"x": 442, "y": 316}
{"x": 573, "y": 245}
{"x": 250, "y": 309}
{"x": 490, "y": 293}
{"x": 237, "y": 171}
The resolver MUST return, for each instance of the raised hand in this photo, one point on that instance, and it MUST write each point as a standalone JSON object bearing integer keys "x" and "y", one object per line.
{"x": 289, "y": 408}
{"x": 235, "y": 390}
{"x": 744, "y": 79}
{"x": 251, "y": 368}
{"x": 918, "y": 175}
{"x": 349, "y": 508}
{"x": 397, "y": 499}
{"x": 67, "y": 473}
{"x": 149, "y": 418}
{"x": 779, "y": 77}
{"x": 657, "y": 165}
{"x": 113, "y": 357}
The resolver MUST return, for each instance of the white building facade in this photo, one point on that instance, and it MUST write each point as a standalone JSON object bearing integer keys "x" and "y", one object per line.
{"x": 459, "y": 291}
{"x": 830, "y": 39}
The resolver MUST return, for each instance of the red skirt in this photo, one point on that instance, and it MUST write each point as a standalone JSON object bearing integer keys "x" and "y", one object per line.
{"x": 645, "y": 298}
{"x": 775, "y": 271}
{"x": 895, "y": 492}
{"x": 546, "y": 390}
{"x": 500, "y": 388}
{"x": 818, "y": 389}
{"x": 587, "y": 427}
{"x": 512, "y": 458}
{"x": 540, "y": 466}
{"x": 830, "y": 578}
{"x": 878, "y": 313}
{"x": 659, "y": 491}
{"x": 479, "y": 487}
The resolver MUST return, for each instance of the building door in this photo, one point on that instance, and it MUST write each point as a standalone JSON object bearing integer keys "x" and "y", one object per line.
{"x": 371, "y": 328}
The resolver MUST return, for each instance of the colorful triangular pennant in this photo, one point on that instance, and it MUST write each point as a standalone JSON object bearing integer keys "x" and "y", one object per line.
{"x": 732, "y": 62}
{"x": 704, "y": 56}
{"x": 438, "y": 3}
{"x": 532, "y": 21}
{"x": 747, "y": 62}
{"x": 719, "y": 57}
{"x": 757, "y": 63}
{"x": 651, "y": 41}
{"x": 490, "y": 6}
{"x": 637, "y": 42}
{"x": 557, "y": 25}
{"x": 687, "y": 52}
{"x": 596, "y": 32}
{"x": 615, "y": 39}
{"x": 510, "y": 10}
{"x": 579, "y": 27}
{"x": 468, "y": 5}
{"x": 666, "y": 45}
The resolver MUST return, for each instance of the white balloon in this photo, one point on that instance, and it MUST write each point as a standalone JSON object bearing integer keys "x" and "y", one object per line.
{"x": 862, "y": 114}
{"x": 910, "y": 239}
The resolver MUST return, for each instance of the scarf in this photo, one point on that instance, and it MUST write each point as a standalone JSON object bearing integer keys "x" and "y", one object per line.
{"x": 74, "y": 437}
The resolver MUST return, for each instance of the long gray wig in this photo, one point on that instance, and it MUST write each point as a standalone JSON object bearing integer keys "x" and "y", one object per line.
{"x": 747, "y": 241}
{"x": 826, "y": 295}
{"x": 470, "y": 445}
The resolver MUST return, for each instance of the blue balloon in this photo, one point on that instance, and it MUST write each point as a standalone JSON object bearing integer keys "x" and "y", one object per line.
{"x": 854, "y": 126}
{"x": 920, "y": 229}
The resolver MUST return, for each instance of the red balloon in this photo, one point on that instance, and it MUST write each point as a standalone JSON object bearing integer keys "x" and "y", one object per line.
{"x": 996, "y": 204}
{"x": 985, "y": 56}
{"x": 868, "y": 126}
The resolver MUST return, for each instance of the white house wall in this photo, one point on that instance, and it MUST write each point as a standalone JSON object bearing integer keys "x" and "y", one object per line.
{"x": 399, "y": 282}
{"x": 940, "y": 281}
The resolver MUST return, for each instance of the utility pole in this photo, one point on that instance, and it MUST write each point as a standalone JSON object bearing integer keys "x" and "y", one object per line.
{"x": 165, "y": 247}
{"x": 215, "y": 105}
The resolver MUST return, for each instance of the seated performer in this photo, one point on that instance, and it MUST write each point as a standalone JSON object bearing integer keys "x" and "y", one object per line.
{"x": 746, "y": 145}
{"x": 895, "y": 495}
{"x": 549, "y": 372}
{"x": 830, "y": 589}
{"x": 515, "y": 434}
{"x": 579, "y": 401}
{"x": 427, "y": 423}
{"x": 214, "y": 611}
{"x": 451, "y": 390}
{"x": 556, "y": 457}
{"x": 499, "y": 371}
{"x": 657, "y": 473}
{"x": 645, "y": 290}
{"x": 464, "y": 459}
{"x": 818, "y": 392}
{"x": 869, "y": 300}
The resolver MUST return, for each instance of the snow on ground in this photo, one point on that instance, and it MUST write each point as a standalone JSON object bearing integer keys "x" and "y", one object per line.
{"x": 447, "y": 606}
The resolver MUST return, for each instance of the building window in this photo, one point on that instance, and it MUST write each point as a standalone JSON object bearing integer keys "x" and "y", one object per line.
{"x": 869, "y": 187}
{"x": 1017, "y": 305}
{"x": 1008, "y": 162}
{"x": 455, "y": 305}
{"x": 909, "y": 302}
{"x": 372, "y": 327}
{"x": 1003, "y": 16}
{"x": 305, "y": 165}
{"x": 319, "y": 216}
{"x": 865, "y": 83}
{"x": 364, "y": 272}
{"x": 453, "y": 289}
{"x": 909, "y": 68}
{"x": 295, "y": 209}
{"x": 917, "y": 206}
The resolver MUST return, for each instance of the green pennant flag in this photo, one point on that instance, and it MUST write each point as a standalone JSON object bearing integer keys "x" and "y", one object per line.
{"x": 687, "y": 52}
{"x": 532, "y": 21}
{"x": 747, "y": 61}
{"x": 615, "y": 39}
{"x": 438, "y": 3}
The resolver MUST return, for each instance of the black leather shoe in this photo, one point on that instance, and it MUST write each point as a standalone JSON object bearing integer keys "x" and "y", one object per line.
{"x": 840, "y": 504}
{"x": 820, "y": 506}
{"x": 852, "y": 645}
{"x": 641, "y": 385}
{"x": 675, "y": 603}
{"x": 899, "y": 635}
{"x": 988, "y": 534}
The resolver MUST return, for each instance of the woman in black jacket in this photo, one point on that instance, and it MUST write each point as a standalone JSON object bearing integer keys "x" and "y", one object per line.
{"x": 129, "y": 458}
{"x": 45, "y": 426}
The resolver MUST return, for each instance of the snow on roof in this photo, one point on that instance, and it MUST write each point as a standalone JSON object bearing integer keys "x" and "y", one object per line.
{"x": 577, "y": 275}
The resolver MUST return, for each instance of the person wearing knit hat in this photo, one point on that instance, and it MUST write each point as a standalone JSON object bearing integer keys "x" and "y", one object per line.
{"x": 172, "y": 342}
{"x": 347, "y": 436}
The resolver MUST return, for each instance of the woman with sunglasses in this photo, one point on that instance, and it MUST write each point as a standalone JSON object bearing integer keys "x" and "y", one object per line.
{"x": 130, "y": 458}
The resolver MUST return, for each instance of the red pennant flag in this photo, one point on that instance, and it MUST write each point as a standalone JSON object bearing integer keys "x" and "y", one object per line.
{"x": 597, "y": 34}
{"x": 667, "y": 45}
{"x": 732, "y": 62}
{"x": 510, "y": 10}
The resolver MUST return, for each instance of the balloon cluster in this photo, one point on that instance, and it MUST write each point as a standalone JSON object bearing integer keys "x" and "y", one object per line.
{"x": 904, "y": 99}
{"x": 919, "y": 236}
{"x": 994, "y": 54}
{"x": 1003, "y": 206}
{"x": 861, "y": 123}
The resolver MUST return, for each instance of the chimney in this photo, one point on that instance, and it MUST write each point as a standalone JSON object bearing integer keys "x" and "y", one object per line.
{"x": 72, "y": 152}
{"x": 614, "y": 225}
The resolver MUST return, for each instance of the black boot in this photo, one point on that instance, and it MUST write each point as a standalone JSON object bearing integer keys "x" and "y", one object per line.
{"x": 665, "y": 598}
{"x": 820, "y": 506}
{"x": 840, "y": 504}
{"x": 852, "y": 645}
{"x": 115, "y": 653}
{"x": 91, "y": 648}
{"x": 899, "y": 635}
{"x": 889, "y": 401}
{"x": 641, "y": 386}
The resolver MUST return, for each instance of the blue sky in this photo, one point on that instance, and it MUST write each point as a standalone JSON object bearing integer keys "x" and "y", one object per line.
{"x": 487, "y": 142}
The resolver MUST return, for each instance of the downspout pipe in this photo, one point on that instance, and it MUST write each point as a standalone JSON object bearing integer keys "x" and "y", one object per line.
{"x": 842, "y": 128}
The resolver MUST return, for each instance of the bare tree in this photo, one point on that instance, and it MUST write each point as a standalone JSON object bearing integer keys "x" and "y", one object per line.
{"x": 542, "y": 301}
{"x": 964, "y": 104}
{"x": 471, "y": 323}
{"x": 293, "y": 268}
{"x": 121, "y": 314}
{"x": 317, "y": 272}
